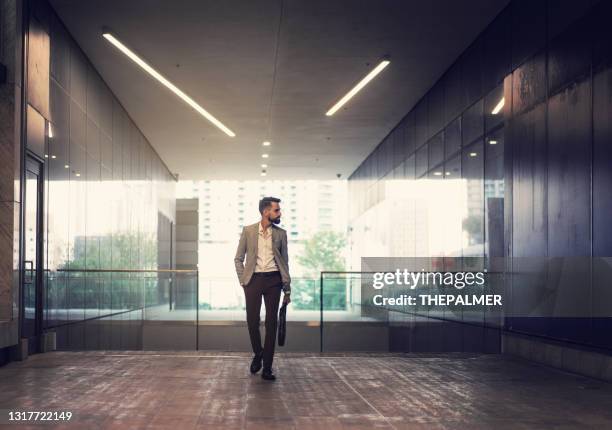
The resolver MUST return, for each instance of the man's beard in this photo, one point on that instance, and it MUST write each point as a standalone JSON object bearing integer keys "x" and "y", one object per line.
{"x": 275, "y": 220}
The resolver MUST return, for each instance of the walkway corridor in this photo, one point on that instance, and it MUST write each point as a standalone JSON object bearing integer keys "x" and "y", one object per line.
{"x": 177, "y": 390}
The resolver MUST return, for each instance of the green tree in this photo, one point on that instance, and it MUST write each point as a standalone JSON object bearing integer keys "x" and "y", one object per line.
{"x": 323, "y": 252}
{"x": 132, "y": 250}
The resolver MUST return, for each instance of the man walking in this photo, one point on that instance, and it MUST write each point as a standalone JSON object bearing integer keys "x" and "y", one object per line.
{"x": 265, "y": 273}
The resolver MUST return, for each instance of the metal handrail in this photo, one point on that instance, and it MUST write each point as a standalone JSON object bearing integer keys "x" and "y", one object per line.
{"x": 127, "y": 270}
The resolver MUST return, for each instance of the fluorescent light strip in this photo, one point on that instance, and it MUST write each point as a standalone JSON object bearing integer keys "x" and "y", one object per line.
{"x": 168, "y": 84}
{"x": 498, "y": 107}
{"x": 358, "y": 87}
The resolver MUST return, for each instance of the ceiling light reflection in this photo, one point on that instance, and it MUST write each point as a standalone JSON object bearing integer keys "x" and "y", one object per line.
{"x": 498, "y": 107}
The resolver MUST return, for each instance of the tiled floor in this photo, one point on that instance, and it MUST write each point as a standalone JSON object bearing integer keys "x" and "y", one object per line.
{"x": 135, "y": 390}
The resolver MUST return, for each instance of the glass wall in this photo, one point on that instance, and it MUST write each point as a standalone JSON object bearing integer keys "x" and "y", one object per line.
{"x": 109, "y": 197}
{"x": 508, "y": 155}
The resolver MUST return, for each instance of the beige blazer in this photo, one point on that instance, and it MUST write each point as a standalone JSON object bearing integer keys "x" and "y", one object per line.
{"x": 248, "y": 245}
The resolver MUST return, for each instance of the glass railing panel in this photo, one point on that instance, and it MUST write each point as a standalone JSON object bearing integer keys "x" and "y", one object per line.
{"x": 222, "y": 299}
{"x": 122, "y": 309}
{"x": 365, "y": 323}
{"x": 348, "y": 320}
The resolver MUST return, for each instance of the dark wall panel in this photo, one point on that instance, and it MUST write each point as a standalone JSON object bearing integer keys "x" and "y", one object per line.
{"x": 472, "y": 123}
{"x": 436, "y": 150}
{"x": 529, "y": 84}
{"x": 569, "y": 56}
{"x": 562, "y": 13}
{"x": 528, "y": 29}
{"x": 410, "y": 133}
{"x": 602, "y": 163}
{"x": 602, "y": 34}
{"x": 436, "y": 110}
{"x": 497, "y": 59}
{"x": 399, "y": 149}
{"x": 550, "y": 63}
{"x": 421, "y": 125}
{"x": 527, "y": 135}
{"x": 569, "y": 171}
{"x": 471, "y": 72}
{"x": 60, "y": 54}
{"x": 452, "y": 138}
{"x": 422, "y": 161}
{"x": 569, "y": 211}
{"x": 453, "y": 94}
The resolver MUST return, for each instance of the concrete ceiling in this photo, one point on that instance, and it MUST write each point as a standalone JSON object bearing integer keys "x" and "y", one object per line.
{"x": 270, "y": 70}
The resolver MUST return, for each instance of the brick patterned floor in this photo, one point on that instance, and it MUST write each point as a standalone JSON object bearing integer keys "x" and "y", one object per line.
{"x": 178, "y": 390}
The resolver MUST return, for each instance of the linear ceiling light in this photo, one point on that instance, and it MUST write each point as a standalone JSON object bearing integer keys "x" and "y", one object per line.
{"x": 498, "y": 107}
{"x": 167, "y": 83}
{"x": 358, "y": 87}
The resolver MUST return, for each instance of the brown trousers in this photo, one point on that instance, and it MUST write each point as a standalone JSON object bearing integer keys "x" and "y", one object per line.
{"x": 268, "y": 285}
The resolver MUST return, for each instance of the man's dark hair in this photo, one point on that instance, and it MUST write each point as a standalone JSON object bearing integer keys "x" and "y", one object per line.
{"x": 267, "y": 202}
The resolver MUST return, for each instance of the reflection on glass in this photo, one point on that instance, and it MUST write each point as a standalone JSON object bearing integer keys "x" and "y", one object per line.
{"x": 436, "y": 150}
{"x": 30, "y": 251}
{"x": 494, "y": 194}
{"x": 494, "y": 103}
{"x": 422, "y": 162}
{"x": 472, "y": 165}
{"x": 452, "y": 138}
{"x": 498, "y": 107}
{"x": 455, "y": 207}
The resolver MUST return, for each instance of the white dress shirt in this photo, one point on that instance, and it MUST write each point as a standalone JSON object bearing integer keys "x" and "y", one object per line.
{"x": 265, "y": 256}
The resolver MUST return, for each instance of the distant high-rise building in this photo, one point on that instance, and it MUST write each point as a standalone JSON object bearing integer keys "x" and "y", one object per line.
{"x": 308, "y": 206}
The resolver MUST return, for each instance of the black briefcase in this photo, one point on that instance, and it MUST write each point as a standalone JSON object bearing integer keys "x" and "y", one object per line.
{"x": 282, "y": 324}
